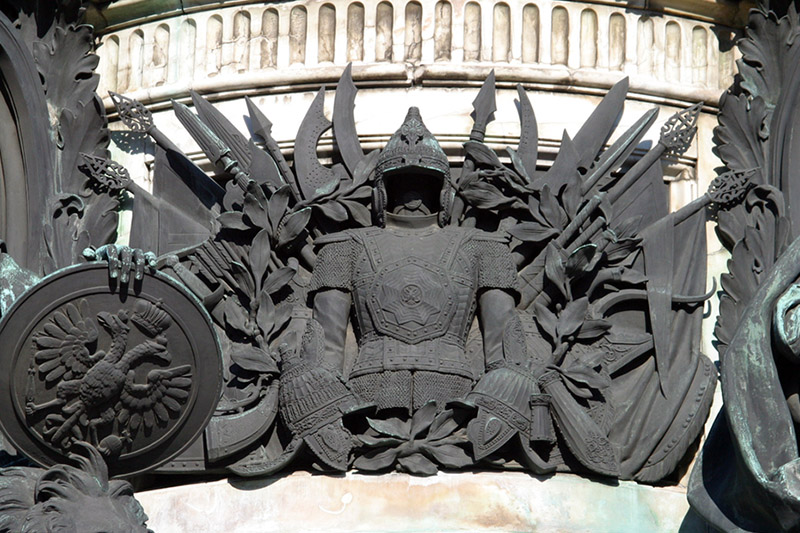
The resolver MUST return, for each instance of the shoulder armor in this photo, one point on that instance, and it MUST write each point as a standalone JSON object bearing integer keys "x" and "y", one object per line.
{"x": 497, "y": 236}
{"x": 339, "y": 236}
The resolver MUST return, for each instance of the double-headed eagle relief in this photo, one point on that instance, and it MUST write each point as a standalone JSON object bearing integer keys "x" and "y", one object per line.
{"x": 97, "y": 387}
{"x": 120, "y": 367}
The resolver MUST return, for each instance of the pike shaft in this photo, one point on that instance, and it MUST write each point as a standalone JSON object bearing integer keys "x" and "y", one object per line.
{"x": 163, "y": 141}
{"x": 582, "y": 239}
{"x": 576, "y": 223}
{"x": 690, "y": 209}
{"x": 636, "y": 171}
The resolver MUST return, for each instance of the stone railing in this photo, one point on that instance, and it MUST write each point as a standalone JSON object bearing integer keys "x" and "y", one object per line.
{"x": 276, "y": 45}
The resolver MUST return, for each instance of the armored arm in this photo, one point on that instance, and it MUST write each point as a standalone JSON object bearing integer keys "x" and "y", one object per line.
{"x": 497, "y": 311}
{"x": 497, "y": 300}
{"x": 330, "y": 288}
{"x": 331, "y": 310}
{"x": 508, "y": 392}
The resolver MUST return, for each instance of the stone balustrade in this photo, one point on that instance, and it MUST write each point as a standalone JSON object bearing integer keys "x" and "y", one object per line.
{"x": 274, "y": 46}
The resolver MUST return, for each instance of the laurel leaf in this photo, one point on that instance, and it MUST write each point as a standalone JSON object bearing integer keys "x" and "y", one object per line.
{"x": 266, "y": 313}
{"x": 277, "y": 205}
{"x": 279, "y": 279}
{"x": 259, "y": 257}
{"x": 449, "y": 455}
{"x": 376, "y": 459}
{"x": 232, "y": 220}
{"x": 294, "y": 225}
{"x": 416, "y": 463}
{"x": 532, "y": 232}
{"x": 253, "y": 359}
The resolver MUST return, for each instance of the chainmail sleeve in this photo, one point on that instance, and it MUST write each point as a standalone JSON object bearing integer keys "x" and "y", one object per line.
{"x": 496, "y": 269}
{"x": 334, "y": 266}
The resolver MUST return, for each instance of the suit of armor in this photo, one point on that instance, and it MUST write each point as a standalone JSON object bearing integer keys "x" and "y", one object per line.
{"x": 414, "y": 289}
{"x": 411, "y": 286}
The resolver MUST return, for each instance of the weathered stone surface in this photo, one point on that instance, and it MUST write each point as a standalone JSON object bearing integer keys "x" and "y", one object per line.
{"x": 398, "y": 503}
{"x": 668, "y": 55}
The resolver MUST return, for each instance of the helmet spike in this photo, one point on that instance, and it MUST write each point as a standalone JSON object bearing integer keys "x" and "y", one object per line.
{"x": 413, "y": 146}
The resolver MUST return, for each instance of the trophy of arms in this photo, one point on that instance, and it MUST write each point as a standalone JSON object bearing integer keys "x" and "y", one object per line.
{"x": 396, "y": 311}
{"x": 366, "y": 319}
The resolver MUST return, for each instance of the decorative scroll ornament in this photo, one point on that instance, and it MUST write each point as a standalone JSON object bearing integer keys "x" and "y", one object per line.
{"x": 679, "y": 130}
{"x": 132, "y": 113}
{"x": 125, "y": 369}
{"x": 730, "y": 188}
{"x": 109, "y": 174}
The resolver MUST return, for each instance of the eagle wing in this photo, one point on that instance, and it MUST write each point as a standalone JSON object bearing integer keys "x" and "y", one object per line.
{"x": 157, "y": 401}
{"x": 63, "y": 346}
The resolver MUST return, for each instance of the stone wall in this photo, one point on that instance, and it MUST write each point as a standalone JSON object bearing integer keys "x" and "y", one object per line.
{"x": 399, "y": 503}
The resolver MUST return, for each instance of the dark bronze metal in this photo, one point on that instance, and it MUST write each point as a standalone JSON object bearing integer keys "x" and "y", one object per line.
{"x": 69, "y": 497}
{"x": 746, "y": 476}
{"x": 106, "y": 174}
{"x": 535, "y": 384}
{"x": 128, "y": 368}
{"x": 132, "y": 113}
{"x": 30, "y": 175}
{"x": 519, "y": 343}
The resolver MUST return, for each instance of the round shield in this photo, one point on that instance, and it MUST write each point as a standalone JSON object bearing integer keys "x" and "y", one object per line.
{"x": 133, "y": 369}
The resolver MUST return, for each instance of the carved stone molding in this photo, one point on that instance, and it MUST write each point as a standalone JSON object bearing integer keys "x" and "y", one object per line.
{"x": 582, "y": 45}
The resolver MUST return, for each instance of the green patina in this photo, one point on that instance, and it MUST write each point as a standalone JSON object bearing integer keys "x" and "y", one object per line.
{"x": 14, "y": 280}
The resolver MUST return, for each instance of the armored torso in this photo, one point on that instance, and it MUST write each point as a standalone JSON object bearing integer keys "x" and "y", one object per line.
{"x": 414, "y": 293}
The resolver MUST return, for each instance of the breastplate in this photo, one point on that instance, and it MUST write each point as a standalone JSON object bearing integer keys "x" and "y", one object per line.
{"x": 414, "y": 296}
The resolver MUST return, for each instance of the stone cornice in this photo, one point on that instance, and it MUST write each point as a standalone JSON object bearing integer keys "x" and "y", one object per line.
{"x": 132, "y": 12}
{"x": 247, "y": 48}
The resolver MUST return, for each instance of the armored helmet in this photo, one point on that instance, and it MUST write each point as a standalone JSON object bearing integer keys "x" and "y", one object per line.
{"x": 413, "y": 147}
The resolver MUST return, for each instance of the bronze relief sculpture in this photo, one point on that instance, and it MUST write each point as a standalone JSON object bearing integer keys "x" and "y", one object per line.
{"x": 400, "y": 309}
{"x": 396, "y": 311}
{"x": 122, "y": 366}
{"x": 414, "y": 285}
{"x": 393, "y": 309}
{"x": 69, "y": 498}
